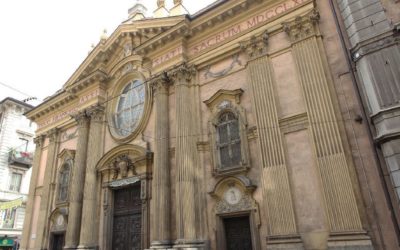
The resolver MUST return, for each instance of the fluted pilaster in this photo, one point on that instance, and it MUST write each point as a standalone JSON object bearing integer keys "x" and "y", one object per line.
{"x": 42, "y": 230}
{"x": 189, "y": 219}
{"x": 31, "y": 197}
{"x": 277, "y": 196}
{"x": 161, "y": 224}
{"x": 90, "y": 215}
{"x": 340, "y": 199}
{"x": 78, "y": 179}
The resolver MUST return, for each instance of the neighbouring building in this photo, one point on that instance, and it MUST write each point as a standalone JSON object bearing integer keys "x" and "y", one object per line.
{"x": 237, "y": 127}
{"x": 371, "y": 32}
{"x": 16, "y": 155}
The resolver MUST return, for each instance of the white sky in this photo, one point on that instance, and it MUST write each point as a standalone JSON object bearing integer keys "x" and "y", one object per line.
{"x": 42, "y": 42}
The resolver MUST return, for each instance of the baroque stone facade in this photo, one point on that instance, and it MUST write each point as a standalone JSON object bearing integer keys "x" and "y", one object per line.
{"x": 234, "y": 128}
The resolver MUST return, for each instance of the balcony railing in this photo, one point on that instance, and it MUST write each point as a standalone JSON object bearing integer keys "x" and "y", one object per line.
{"x": 20, "y": 158}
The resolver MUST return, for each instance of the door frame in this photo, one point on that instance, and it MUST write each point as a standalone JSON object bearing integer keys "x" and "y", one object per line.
{"x": 54, "y": 233}
{"x": 221, "y": 236}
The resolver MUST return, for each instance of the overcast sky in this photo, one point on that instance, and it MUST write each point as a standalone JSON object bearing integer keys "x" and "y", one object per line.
{"x": 42, "y": 42}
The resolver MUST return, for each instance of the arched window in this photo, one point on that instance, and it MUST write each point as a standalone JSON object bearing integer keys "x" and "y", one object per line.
{"x": 228, "y": 140}
{"x": 63, "y": 182}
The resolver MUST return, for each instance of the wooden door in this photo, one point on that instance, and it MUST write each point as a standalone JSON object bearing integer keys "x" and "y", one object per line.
{"x": 127, "y": 224}
{"x": 237, "y": 233}
{"x": 58, "y": 242}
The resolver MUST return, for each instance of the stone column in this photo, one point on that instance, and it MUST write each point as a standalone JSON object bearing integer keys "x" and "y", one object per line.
{"x": 90, "y": 214}
{"x": 341, "y": 205}
{"x": 278, "y": 198}
{"x": 77, "y": 181}
{"x": 161, "y": 192}
{"x": 189, "y": 202}
{"x": 31, "y": 197}
{"x": 43, "y": 220}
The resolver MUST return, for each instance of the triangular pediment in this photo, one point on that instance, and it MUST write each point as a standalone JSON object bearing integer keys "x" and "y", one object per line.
{"x": 123, "y": 42}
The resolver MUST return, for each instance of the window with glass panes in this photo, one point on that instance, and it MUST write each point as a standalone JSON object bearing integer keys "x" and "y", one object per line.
{"x": 228, "y": 144}
{"x": 15, "y": 183}
{"x": 63, "y": 183}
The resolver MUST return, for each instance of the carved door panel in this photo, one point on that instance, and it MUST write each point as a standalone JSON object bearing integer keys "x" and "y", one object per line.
{"x": 237, "y": 233}
{"x": 57, "y": 242}
{"x": 127, "y": 227}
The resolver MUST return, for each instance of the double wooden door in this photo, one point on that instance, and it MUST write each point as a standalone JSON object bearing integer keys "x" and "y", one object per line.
{"x": 127, "y": 222}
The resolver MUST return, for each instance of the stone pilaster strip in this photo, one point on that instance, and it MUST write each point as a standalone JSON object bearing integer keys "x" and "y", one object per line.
{"x": 161, "y": 227}
{"x": 78, "y": 179}
{"x": 188, "y": 223}
{"x": 31, "y": 197}
{"x": 42, "y": 230}
{"x": 340, "y": 199}
{"x": 277, "y": 197}
{"x": 90, "y": 214}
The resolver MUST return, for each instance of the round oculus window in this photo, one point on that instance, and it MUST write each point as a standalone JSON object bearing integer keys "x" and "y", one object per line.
{"x": 129, "y": 108}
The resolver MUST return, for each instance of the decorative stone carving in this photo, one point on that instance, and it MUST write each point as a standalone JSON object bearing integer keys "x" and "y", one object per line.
{"x": 302, "y": 27}
{"x": 121, "y": 164}
{"x": 127, "y": 49}
{"x": 95, "y": 113}
{"x": 246, "y": 203}
{"x": 256, "y": 46}
{"x": 235, "y": 61}
{"x": 81, "y": 118}
{"x": 160, "y": 83}
{"x": 39, "y": 141}
{"x": 68, "y": 136}
{"x": 183, "y": 72}
{"x": 52, "y": 134}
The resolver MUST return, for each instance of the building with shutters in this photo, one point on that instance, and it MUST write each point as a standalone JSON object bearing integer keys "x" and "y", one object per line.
{"x": 237, "y": 127}
{"x": 371, "y": 32}
{"x": 16, "y": 153}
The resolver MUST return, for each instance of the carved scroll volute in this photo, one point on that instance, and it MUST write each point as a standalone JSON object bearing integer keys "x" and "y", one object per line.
{"x": 81, "y": 118}
{"x": 39, "y": 141}
{"x": 302, "y": 27}
{"x": 256, "y": 46}
{"x": 96, "y": 113}
{"x": 161, "y": 83}
{"x": 183, "y": 74}
{"x": 53, "y": 134}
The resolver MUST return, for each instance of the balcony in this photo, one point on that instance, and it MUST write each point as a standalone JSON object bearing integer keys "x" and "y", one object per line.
{"x": 20, "y": 158}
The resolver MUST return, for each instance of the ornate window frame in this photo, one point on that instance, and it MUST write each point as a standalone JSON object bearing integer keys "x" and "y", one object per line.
{"x": 221, "y": 102}
{"x": 120, "y": 84}
{"x": 67, "y": 158}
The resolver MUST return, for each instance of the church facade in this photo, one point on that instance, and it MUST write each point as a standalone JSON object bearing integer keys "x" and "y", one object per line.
{"x": 233, "y": 128}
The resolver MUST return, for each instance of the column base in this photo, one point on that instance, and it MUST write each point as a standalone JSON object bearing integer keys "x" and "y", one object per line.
{"x": 161, "y": 245}
{"x": 285, "y": 242}
{"x": 349, "y": 241}
{"x": 70, "y": 248}
{"x": 183, "y": 244}
{"x": 88, "y": 247}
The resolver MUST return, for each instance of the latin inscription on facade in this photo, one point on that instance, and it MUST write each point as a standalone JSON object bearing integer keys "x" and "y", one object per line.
{"x": 61, "y": 115}
{"x": 232, "y": 31}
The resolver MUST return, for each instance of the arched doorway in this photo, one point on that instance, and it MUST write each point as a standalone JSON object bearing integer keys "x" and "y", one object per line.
{"x": 125, "y": 172}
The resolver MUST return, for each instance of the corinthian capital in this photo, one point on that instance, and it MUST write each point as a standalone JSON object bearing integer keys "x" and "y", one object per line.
{"x": 302, "y": 27}
{"x": 38, "y": 140}
{"x": 160, "y": 83}
{"x": 96, "y": 113}
{"x": 81, "y": 118}
{"x": 184, "y": 72}
{"x": 256, "y": 46}
{"x": 52, "y": 134}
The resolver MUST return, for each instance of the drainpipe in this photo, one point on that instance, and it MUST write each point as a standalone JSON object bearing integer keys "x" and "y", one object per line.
{"x": 370, "y": 136}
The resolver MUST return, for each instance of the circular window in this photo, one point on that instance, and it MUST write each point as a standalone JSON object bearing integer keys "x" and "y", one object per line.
{"x": 129, "y": 108}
